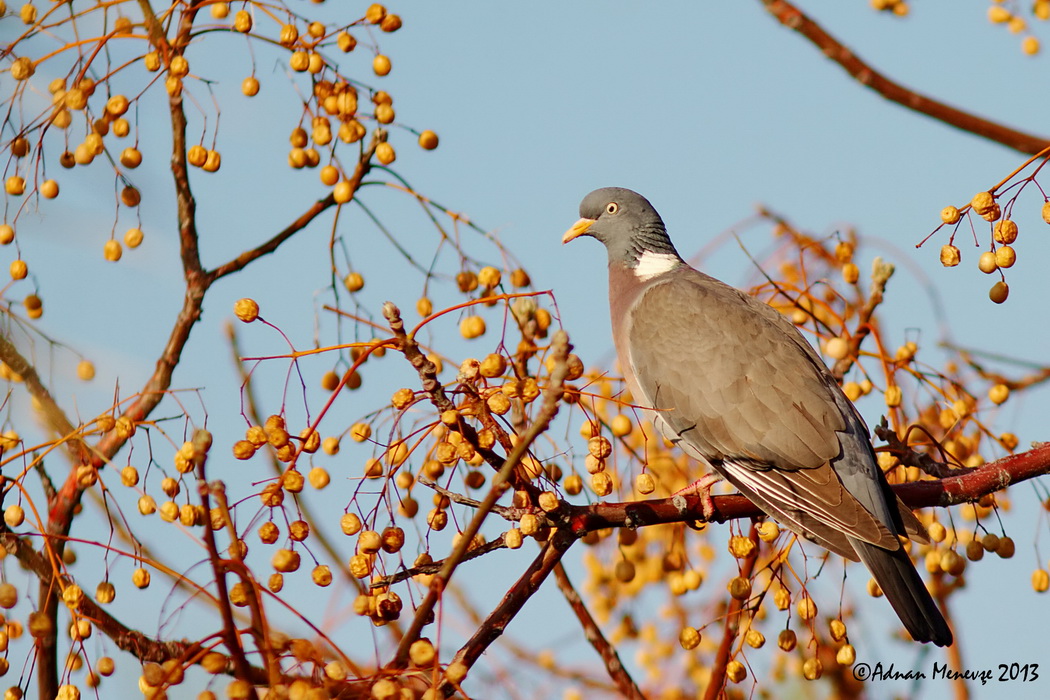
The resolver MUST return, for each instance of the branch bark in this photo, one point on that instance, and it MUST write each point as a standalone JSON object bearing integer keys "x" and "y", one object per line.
{"x": 793, "y": 18}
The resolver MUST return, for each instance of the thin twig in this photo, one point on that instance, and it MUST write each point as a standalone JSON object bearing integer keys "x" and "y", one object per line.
{"x": 613, "y": 665}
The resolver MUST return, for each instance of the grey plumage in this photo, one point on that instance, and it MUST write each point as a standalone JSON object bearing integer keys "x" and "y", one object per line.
{"x": 737, "y": 387}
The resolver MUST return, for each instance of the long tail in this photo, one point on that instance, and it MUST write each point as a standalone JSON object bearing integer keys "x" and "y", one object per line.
{"x": 906, "y": 592}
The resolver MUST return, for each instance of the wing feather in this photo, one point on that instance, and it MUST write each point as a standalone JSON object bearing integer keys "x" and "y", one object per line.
{"x": 738, "y": 387}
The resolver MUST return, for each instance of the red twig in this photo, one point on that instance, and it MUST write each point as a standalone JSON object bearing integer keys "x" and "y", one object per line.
{"x": 613, "y": 666}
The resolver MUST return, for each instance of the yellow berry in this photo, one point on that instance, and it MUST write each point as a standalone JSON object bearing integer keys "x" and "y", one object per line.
{"x": 1046, "y": 207}
{"x": 982, "y": 202}
{"x": 346, "y": 42}
{"x": 385, "y": 153}
{"x": 381, "y": 65}
{"x": 133, "y": 238}
{"x": 140, "y": 577}
{"x": 375, "y": 13}
{"x": 250, "y": 86}
{"x": 999, "y": 292}
{"x": 768, "y": 531}
{"x": 329, "y": 175}
{"x": 997, "y": 14}
{"x": 837, "y": 348}
{"x": 422, "y": 652}
{"x": 197, "y": 155}
{"x": 645, "y": 484}
{"x": 1040, "y": 580}
{"x": 1030, "y": 45}
{"x": 289, "y": 35}
{"x": 472, "y": 327}
{"x": 22, "y": 68}
{"x": 807, "y": 609}
{"x": 740, "y": 588}
{"x": 342, "y": 192}
{"x": 428, "y": 140}
{"x": 131, "y": 157}
{"x": 48, "y": 189}
{"x": 7, "y": 234}
{"x": 247, "y": 310}
{"x": 19, "y": 269}
{"x": 14, "y": 515}
{"x": 601, "y": 483}
{"x": 950, "y": 215}
{"x": 354, "y": 282}
{"x": 850, "y": 273}
{"x": 212, "y": 162}
{"x": 384, "y": 113}
{"x": 15, "y": 185}
{"x": 86, "y": 370}
{"x": 986, "y": 263}
{"x": 179, "y": 67}
{"x": 736, "y": 671}
{"x": 950, "y": 256}
{"x": 1005, "y": 256}
{"x": 299, "y": 61}
{"x": 1005, "y": 232}
{"x": 242, "y": 21}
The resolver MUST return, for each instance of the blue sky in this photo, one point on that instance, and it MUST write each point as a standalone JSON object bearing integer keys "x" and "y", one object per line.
{"x": 708, "y": 109}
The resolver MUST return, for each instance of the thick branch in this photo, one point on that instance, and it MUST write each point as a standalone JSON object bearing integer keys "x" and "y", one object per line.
{"x": 940, "y": 493}
{"x": 520, "y": 592}
{"x": 793, "y": 18}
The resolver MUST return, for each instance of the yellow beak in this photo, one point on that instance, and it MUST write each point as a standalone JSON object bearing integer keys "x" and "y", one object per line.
{"x": 577, "y": 230}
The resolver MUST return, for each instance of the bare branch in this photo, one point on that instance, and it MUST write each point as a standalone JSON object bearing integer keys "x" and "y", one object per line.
{"x": 793, "y": 18}
{"x": 615, "y": 668}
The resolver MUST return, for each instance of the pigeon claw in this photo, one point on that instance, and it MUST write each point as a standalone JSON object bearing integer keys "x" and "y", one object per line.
{"x": 702, "y": 488}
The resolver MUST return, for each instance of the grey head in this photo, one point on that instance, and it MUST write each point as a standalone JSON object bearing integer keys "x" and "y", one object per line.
{"x": 626, "y": 223}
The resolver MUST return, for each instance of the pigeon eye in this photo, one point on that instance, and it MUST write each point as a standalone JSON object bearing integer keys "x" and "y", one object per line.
{"x": 612, "y": 208}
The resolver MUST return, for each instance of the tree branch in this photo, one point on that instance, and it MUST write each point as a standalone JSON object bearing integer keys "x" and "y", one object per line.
{"x": 615, "y": 668}
{"x": 364, "y": 164}
{"x": 560, "y": 349}
{"x": 793, "y": 18}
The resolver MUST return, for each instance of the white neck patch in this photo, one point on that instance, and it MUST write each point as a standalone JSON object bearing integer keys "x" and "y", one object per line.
{"x": 652, "y": 264}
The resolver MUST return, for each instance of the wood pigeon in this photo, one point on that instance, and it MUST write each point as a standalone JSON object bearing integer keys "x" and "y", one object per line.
{"x": 737, "y": 387}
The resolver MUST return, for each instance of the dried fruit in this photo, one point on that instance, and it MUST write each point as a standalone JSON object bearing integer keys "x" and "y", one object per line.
{"x": 247, "y": 310}
{"x": 1005, "y": 232}
{"x": 950, "y": 256}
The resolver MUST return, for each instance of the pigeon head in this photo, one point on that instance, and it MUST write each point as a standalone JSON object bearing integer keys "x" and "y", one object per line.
{"x": 631, "y": 230}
